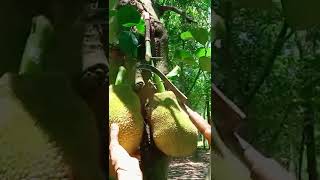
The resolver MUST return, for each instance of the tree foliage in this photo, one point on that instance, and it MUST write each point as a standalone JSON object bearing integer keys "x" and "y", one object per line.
{"x": 266, "y": 62}
{"x": 190, "y": 49}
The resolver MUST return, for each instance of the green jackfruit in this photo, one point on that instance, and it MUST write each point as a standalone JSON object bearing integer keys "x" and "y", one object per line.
{"x": 173, "y": 132}
{"x": 46, "y": 131}
{"x": 125, "y": 110}
{"x": 26, "y": 151}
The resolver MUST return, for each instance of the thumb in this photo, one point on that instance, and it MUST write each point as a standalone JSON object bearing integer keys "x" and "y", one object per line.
{"x": 114, "y": 132}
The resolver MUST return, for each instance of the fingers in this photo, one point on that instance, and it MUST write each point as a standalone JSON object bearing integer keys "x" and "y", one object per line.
{"x": 120, "y": 159}
{"x": 128, "y": 164}
{"x": 116, "y": 150}
{"x": 114, "y": 142}
{"x": 114, "y": 132}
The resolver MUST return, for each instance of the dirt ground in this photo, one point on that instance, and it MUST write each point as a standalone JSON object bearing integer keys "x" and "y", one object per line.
{"x": 193, "y": 167}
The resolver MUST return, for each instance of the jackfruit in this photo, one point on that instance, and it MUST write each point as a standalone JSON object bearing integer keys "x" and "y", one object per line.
{"x": 26, "y": 151}
{"x": 125, "y": 110}
{"x": 46, "y": 130}
{"x": 173, "y": 132}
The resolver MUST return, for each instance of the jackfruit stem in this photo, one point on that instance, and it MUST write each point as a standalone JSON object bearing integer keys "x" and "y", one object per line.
{"x": 165, "y": 81}
{"x": 36, "y": 46}
{"x": 159, "y": 84}
{"x": 121, "y": 76}
{"x": 131, "y": 71}
{"x": 113, "y": 70}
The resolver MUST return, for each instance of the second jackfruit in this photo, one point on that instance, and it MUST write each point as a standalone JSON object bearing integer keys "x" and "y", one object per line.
{"x": 172, "y": 131}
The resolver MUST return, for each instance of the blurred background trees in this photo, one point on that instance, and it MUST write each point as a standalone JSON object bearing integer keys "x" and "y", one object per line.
{"x": 266, "y": 59}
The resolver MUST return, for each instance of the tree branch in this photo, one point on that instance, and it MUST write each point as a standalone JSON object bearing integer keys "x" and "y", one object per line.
{"x": 178, "y": 11}
{"x": 301, "y": 150}
{"x": 310, "y": 142}
{"x": 281, "y": 39}
{"x": 194, "y": 82}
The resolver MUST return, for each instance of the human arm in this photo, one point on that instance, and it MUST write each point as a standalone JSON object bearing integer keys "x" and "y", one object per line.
{"x": 126, "y": 167}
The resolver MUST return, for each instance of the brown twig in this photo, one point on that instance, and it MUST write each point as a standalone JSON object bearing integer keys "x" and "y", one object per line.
{"x": 146, "y": 17}
{"x": 178, "y": 11}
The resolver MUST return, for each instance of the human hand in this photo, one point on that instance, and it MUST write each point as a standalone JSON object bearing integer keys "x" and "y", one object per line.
{"x": 125, "y": 166}
{"x": 200, "y": 123}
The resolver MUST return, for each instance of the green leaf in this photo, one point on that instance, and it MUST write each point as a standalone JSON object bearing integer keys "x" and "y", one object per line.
{"x": 203, "y": 52}
{"x": 128, "y": 14}
{"x": 129, "y": 24}
{"x": 141, "y": 27}
{"x": 113, "y": 29}
{"x": 128, "y": 43}
{"x": 189, "y": 60}
{"x": 201, "y": 35}
{"x": 184, "y": 56}
{"x": 113, "y": 4}
{"x": 205, "y": 63}
{"x": 177, "y": 54}
{"x": 112, "y": 13}
{"x": 186, "y": 35}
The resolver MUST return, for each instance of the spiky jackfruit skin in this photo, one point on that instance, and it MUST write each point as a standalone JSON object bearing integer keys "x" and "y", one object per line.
{"x": 46, "y": 132}
{"x": 26, "y": 152}
{"x": 173, "y": 132}
{"x": 125, "y": 110}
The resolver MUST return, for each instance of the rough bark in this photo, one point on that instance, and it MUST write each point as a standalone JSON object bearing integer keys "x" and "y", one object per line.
{"x": 93, "y": 83}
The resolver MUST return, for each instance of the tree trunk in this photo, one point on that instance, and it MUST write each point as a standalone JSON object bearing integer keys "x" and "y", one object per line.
{"x": 301, "y": 153}
{"x": 225, "y": 54}
{"x": 281, "y": 39}
{"x": 154, "y": 163}
{"x": 310, "y": 143}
